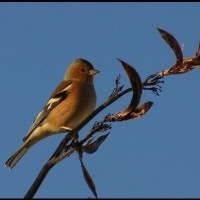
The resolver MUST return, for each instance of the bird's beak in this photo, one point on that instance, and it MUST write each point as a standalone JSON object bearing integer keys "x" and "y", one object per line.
{"x": 93, "y": 72}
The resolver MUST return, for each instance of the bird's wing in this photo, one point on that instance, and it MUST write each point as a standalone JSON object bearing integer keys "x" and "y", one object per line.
{"x": 59, "y": 94}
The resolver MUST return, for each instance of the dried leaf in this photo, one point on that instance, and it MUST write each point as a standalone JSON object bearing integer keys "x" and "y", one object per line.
{"x": 197, "y": 54}
{"x": 91, "y": 147}
{"x": 189, "y": 63}
{"x": 172, "y": 42}
{"x": 196, "y": 57}
{"x": 182, "y": 65}
{"x": 136, "y": 85}
{"x": 141, "y": 110}
{"x": 88, "y": 178}
{"x": 138, "y": 112}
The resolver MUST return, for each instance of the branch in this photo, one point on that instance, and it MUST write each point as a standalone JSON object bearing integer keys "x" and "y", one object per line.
{"x": 133, "y": 110}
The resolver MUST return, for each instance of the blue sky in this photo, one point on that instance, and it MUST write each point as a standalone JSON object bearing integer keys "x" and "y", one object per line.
{"x": 157, "y": 155}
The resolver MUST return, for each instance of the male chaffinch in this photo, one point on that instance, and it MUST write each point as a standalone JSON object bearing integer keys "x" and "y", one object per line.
{"x": 70, "y": 103}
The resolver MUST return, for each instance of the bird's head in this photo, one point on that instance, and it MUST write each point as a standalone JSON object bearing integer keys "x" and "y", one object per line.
{"x": 80, "y": 69}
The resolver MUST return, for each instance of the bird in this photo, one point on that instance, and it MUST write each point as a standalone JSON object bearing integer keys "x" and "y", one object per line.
{"x": 69, "y": 104}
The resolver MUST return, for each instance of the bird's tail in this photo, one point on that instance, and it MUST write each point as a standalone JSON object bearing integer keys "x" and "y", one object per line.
{"x": 12, "y": 161}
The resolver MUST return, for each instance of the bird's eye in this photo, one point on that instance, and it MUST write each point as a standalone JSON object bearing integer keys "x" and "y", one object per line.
{"x": 82, "y": 70}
